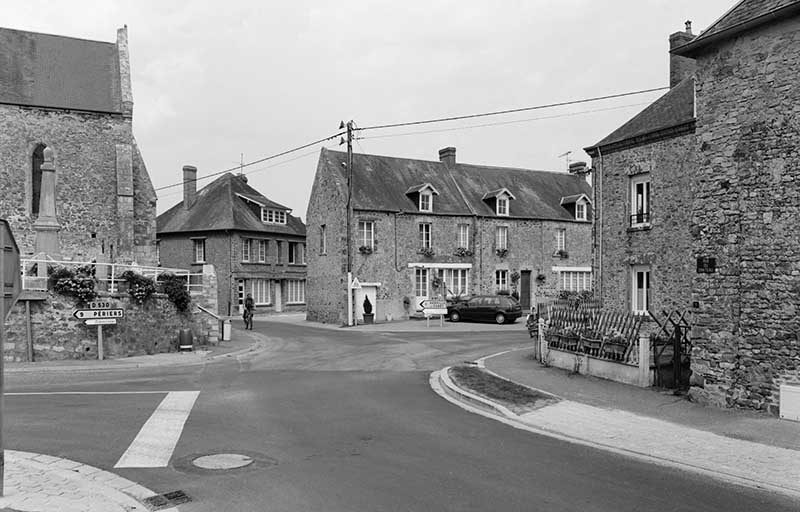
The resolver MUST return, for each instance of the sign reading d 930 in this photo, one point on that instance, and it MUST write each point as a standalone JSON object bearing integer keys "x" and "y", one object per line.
{"x": 88, "y": 314}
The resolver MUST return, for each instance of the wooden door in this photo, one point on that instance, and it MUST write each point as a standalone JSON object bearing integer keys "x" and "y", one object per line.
{"x": 525, "y": 289}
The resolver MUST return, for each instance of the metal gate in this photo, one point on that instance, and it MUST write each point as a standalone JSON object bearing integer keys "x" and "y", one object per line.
{"x": 672, "y": 348}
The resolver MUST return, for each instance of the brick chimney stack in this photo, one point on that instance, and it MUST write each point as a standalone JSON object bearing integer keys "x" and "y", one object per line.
{"x": 680, "y": 67}
{"x": 447, "y": 156}
{"x": 189, "y": 186}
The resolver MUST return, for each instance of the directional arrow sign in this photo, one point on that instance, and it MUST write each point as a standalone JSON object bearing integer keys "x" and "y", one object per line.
{"x": 434, "y": 307}
{"x": 87, "y": 314}
{"x": 101, "y": 321}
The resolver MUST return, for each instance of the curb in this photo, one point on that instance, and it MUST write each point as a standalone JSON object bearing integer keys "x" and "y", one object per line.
{"x": 447, "y": 389}
{"x": 100, "y": 367}
{"x": 112, "y": 487}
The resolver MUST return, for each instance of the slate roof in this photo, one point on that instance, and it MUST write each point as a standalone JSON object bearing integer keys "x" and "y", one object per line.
{"x": 218, "y": 208}
{"x": 60, "y": 72}
{"x": 675, "y": 108}
{"x": 742, "y": 16}
{"x": 380, "y": 183}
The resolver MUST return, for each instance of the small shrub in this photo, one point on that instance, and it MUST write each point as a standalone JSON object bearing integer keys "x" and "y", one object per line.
{"x": 175, "y": 288}
{"x": 140, "y": 288}
{"x": 73, "y": 284}
{"x": 367, "y": 306}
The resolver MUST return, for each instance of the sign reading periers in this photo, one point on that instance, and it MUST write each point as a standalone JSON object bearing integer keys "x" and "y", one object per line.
{"x": 86, "y": 314}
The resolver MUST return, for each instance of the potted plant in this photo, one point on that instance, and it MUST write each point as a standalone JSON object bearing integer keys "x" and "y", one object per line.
{"x": 369, "y": 316}
{"x": 365, "y": 249}
{"x": 501, "y": 252}
{"x": 462, "y": 252}
{"x": 427, "y": 252}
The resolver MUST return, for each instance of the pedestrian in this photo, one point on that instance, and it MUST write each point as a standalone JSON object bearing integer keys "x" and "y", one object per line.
{"x": 249, "y": 308}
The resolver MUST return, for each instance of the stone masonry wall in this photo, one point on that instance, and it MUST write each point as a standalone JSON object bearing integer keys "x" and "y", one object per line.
{"x": 84, "y": 146}
{"x": 57, "y": 334}
{"x": 326, "y": 271}
{"x": 745, "y": 212}
{"x": 666, "y": 244}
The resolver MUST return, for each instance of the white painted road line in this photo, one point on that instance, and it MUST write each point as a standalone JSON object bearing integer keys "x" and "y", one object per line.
{"x": 157, "y": 439}
{"x": 43, "y": 393}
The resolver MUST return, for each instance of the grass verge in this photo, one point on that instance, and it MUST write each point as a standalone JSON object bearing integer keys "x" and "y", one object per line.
{"x": 514, "y": 396}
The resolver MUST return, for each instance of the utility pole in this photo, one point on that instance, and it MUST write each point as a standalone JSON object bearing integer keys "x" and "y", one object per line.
{"x": 349, "y": 223}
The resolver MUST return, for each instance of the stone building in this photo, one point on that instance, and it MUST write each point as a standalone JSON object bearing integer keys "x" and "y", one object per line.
{"x": 729, "y": 173}
{"x": 746, "y": 204}
{"x": 74, "y": 184}
{"x": 469, "y": 229}
{"x": 254, "y": 244}
{"x": 642, "y": 253}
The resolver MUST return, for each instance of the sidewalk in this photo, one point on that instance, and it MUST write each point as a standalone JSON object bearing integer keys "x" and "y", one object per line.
{"x": 242, "y": 341}
{"x": 744, "y": 447}
{"x": 40, "y": 483}
{"x": 413, "y": 325}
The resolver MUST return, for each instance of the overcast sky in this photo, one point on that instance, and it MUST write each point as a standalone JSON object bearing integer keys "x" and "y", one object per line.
{"x": 214, "y": 80}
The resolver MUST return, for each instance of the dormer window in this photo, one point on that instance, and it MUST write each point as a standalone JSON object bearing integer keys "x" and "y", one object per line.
{"x": 502, "y": 206}
{"x": 498, "y": 200}
{"x": 425, "y": 201}
{"x": 273, "y": 216}
{"x": 577, "y": 206}
{"x": 422, "y": 194}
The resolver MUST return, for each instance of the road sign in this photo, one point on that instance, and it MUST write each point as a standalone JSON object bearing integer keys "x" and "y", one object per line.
{"x": 12, "y": 283}
{"x": 434, "y": 307}
{"x": 102, "y": 304}
{"x": 101, "y": 321}
{"x": 355, "y": 285}
{"x": 88, "y": 314}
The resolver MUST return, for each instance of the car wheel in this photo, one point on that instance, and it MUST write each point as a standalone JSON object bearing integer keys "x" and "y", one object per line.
{"x": 454, "y": 316}
{"x": 500, "y": 318}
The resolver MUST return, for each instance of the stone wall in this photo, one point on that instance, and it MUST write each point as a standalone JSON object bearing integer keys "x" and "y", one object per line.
{"x": 57, "y": 334}
{"x": 85, "y": 150}
{"x": 666, "y": 244}
{"x": 745, "y": 211}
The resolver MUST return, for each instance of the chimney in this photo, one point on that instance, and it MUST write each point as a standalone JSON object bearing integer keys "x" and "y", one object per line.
{"x": 447, "y": 156}
{"x": 189, "y": 186}
{"x": 242, "y": 177}
{"x": 680, "y": 67}
{"x": 578, "y": 167}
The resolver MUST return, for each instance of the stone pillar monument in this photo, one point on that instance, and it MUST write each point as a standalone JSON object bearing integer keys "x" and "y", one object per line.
{"x": 46, "y": 225}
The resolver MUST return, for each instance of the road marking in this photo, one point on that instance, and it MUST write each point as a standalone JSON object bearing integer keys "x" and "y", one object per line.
{"x": 34, "y": 393}
{"x": 157, "y": 439}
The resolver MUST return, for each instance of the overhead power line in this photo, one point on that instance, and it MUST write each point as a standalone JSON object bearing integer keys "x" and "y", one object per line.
{"x": 511, "y": 111}
{"x": 414, "y": 123}
{"x": 248, "y": 164}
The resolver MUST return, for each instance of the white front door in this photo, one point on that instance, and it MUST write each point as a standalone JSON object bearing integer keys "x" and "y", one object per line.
{"x": 360, "y": 294}
{"x": 421, "y": 286}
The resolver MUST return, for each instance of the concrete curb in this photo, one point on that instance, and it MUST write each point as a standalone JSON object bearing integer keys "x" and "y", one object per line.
{"x": 111, "y": 487}
{"x": 101, "y": 366}
{"x": 447, "y": 389}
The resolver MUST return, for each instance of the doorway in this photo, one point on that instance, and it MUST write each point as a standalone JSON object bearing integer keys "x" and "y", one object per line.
{"x": 525, "y": 289}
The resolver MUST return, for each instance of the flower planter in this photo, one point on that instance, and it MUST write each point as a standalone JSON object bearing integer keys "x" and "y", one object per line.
{"x": 591, "y": 346}
{"x": 369, "y": 318}
{"x": 614, "y": 350}
{"x": 570, "y": 342}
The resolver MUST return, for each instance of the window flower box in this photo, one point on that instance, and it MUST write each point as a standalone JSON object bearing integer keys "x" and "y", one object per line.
{"x": 365, "y": 249}
{"x": 462, "y": 252}
{"x": 501, "y": 252}
{"x": 427, "y": 252}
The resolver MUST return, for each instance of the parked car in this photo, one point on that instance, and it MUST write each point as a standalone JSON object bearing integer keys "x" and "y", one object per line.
{"x": 487, "y": 308}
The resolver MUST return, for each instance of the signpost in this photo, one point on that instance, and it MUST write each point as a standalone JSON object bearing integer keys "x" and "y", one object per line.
{"x": 11, "y": 287}
{"x": 100, "y": 313}
{"x": 431, "y": 307}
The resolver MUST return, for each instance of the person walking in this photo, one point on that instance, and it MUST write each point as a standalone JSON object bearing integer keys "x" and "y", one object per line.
{"x": 249, "y": 308}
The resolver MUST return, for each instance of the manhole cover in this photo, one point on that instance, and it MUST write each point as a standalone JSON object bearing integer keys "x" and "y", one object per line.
{"x": 223, "y": 461}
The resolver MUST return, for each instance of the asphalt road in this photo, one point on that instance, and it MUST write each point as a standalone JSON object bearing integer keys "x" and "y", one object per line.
{"x": 340, "y": 420}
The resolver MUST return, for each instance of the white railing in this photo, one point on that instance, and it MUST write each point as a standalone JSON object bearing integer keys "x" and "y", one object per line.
{"x": 106, "y": 273}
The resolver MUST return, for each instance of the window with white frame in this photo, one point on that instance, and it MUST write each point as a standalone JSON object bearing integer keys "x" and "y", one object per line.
{"x": 273, "y": 216}
{"x": 303, "y": 254}
{"x": 463, "y": 236}
{"x": 421, "y": 282}
{"x": 323, "y": 242}
{"x": 247, "y": 246}
{"x": 501, "y": 237}
{"x": 575, "y": 280}
{"x": 295, "y": 291}
{"x": 261, "y": 289}
{"x": 199, "y": 249}
{"x": 262, "y": 251}
{"x": 640, "y": 200}
{"x": 561, "y": 240}
{"x": 501, "y": 280}
{"x": 366, "y": 233}
{"x": 502, "y": 206}
{"x": 425, "y": 201}
{"x": 278, "y": 252}
{"x": 456, "y": 280}
{"x": 295, "y": 253}
{"x": 425, "y": 235}
{"x": 580, "y": 210}
{"x": 640, "y": 288}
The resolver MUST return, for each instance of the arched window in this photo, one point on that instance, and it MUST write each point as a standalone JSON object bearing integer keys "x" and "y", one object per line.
{"x": 36, "y": 178}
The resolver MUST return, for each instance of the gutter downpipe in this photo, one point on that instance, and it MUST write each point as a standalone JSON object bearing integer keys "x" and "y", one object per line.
{"x": 598, "y": 220}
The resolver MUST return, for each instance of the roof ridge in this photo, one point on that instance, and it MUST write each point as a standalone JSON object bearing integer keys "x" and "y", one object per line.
{"x": 112, "y": 43}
